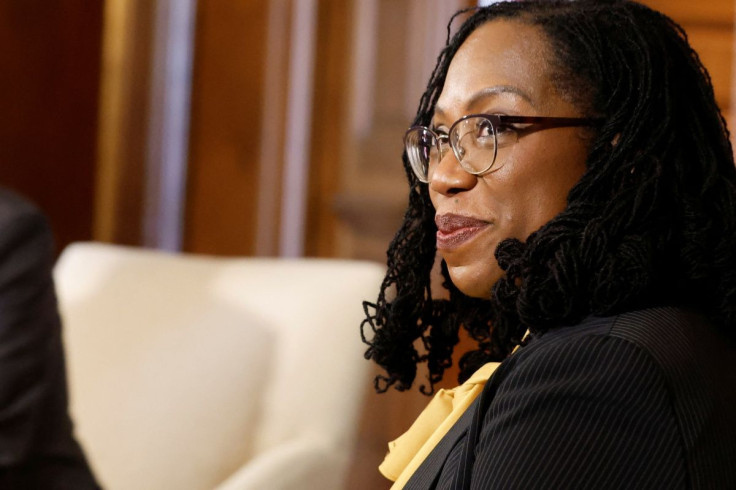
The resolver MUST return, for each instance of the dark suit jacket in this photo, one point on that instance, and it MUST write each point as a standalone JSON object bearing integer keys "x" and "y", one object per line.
{"x": 37, "y": 449}
{"x": 641, "y": 400}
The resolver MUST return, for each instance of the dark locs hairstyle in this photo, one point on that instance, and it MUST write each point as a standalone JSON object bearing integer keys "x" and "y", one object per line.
{"x": 651, "y": 222}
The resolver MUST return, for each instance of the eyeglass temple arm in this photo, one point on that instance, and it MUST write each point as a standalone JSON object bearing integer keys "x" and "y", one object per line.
{"x": 550, "y": 121}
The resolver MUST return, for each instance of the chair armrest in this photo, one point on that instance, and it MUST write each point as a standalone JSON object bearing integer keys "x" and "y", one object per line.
{"x": 303, "y": 463}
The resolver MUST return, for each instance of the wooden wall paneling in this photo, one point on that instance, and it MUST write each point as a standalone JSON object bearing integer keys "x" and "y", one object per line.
{"x": 709, "y": 26}
{"x": 50, "y": 54}
{"x": 329, "y": 124}
{"x": 225, "y": 132}
{"x": 373, "y": 196}
{"x": 273, "y": 127}
{"x": 167, "y": 141}
{"x": 404, "y": 47}
{"x": 694, "y": 12}
{"x": 715, "y": 48}
{"x": 298, "y": 130}
{"x": 124, "y": 115}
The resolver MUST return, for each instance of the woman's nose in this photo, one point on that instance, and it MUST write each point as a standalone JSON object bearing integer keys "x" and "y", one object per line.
{"x": 449, "y": 177}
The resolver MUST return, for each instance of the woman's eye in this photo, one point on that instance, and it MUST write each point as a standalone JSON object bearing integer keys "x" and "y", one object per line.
{"x": 484, "y": 130}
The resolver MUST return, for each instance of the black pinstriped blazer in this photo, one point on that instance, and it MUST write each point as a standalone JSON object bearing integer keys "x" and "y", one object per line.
{"x": 37, "y": 447}
{"x": 640, "y": 400}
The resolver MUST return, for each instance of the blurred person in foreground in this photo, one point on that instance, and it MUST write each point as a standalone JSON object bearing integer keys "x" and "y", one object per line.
{"x": 37, "y": 447}
{"x": 571, "y": 169}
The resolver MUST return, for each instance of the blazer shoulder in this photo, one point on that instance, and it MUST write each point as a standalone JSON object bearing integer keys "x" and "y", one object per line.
{"x": 696, "y": 362}
{"x": 15, "y": 208}
{"x": 579, "y": 397}
{"x": 690, "y": 350}
{"x": 647, "y": 328}
{"x": 20, "y": 220}
{"x": 669, "y": 334}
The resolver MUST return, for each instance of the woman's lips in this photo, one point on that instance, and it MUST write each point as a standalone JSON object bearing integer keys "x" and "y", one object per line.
{"x": 453, "y": 230}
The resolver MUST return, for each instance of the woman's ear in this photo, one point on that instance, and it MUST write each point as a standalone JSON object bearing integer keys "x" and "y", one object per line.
{"x": 615, "y": 140}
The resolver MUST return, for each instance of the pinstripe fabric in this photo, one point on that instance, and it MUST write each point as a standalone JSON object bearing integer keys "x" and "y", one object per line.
{"x": 643, "y": 400}
{"x": 697, "y": 364}
{"x": 421, "y": 480}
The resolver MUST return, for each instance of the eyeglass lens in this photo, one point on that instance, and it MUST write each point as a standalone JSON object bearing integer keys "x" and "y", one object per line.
{"x": 422, "y": 148}
{"x": 473, "y": 140}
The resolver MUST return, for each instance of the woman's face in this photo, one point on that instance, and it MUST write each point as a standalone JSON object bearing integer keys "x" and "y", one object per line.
{"x": 501, "y": 69}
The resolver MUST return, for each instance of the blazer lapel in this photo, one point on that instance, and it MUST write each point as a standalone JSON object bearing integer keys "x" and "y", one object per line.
{"x": 475, "y": 425}
{"x": 427, "y": 473}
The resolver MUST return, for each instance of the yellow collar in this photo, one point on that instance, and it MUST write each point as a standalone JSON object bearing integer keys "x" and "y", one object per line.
{"x": 409, "y": 451}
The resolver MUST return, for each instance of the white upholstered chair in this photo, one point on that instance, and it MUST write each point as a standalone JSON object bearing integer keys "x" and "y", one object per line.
{"x": 191, "y": 372}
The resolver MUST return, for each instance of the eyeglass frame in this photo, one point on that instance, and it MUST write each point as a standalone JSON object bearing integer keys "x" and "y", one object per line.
{"x": 538, "y": 123}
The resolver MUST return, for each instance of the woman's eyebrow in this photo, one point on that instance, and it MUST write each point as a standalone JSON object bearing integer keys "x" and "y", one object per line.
{"x": 489, "y": 92}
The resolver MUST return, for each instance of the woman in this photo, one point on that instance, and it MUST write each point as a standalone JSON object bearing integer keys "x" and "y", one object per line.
{"x": 570, "y": 167}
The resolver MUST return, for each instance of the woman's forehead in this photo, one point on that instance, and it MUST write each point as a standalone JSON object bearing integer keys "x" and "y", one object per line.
{"x": 503, "y": 59}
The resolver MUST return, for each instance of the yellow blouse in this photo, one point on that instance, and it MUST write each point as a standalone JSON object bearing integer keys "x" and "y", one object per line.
{"x": 408, "y": 452}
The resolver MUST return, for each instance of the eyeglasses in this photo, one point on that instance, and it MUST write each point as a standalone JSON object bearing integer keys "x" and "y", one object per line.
{"x": 475, "y": 140}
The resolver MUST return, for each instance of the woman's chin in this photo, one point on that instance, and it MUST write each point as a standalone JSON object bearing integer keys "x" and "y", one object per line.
{"x": 475, "y": 280}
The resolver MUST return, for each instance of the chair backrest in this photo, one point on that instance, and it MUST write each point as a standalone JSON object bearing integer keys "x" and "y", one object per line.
{"x": 182, "y": 368}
